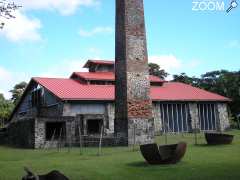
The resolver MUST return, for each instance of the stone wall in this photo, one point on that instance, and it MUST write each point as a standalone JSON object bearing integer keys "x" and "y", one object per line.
{"x": 224, "y": 123}
{"x": 157, "y": 118}
{"x": 110, "y": 115}
{"x": 21, "y": 133}
{"x": 40, "y": 133}
{"x": 140, "y": 131}
{"x": 40, "y": 130}
{"x": 195, "y": 123}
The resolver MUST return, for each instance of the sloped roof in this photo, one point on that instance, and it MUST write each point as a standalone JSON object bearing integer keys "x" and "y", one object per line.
{"x": 107, "y": 76}
{"x": 69, "y": 89}
{"x": 103, "y": 62}
{"x": 172, "y": 91}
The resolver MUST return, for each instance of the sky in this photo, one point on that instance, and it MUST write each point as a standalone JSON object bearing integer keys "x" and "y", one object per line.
{"x": 52, "y": 38}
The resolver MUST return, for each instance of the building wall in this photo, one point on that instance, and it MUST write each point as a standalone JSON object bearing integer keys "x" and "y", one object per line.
{"x": 224, "y": 123}
{"x": 40, "y": 130}
{"x": 73, "y": 109}
{"x": 30, "y": 133}
{"x": 193, "y": 110}
{"x": 39, "y": 133}
{"x": 21, "y": 133}
{"x": 110, "y": 116}
{"x": 157, "y": 118}
{"x": 50, "y": 106}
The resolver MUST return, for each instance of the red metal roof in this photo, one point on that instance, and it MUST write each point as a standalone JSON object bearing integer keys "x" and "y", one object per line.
{"x": 68, "y": 89}
{"x": 172, "y": 91}
{"x": 107, "y": 76}
{"x": 104, "y": 62}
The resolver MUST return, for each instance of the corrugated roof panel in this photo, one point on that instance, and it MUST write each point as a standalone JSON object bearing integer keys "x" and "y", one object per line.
{"x": 109, "y": 76}
{"x": 69, "y": 89}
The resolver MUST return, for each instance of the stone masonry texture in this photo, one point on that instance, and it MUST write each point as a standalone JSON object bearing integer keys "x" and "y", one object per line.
{"x": 224, "y": 123}
{"x": 21, "y": 133}
{"x": 133, "y": 104}
{"x": 195, "y": 124}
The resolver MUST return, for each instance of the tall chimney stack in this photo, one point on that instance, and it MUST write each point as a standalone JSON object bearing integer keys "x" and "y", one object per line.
{"x": 133, "y": 106}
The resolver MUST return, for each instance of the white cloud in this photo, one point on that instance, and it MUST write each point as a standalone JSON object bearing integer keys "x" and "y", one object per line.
{"x": 61, "y": 70}
{"x": 95, "y": 31}
{"x": 22, "y": 28}
{"x": 167, "y": 62}
{"x": 64, "y": 7}
{"x": 173, "y": 65}
{"x": 8, "y": 79}
{"x": 234, "y": 44}
{"x": 64, "y": 69}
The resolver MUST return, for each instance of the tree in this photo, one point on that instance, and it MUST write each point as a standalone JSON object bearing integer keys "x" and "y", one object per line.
{"x": 184, "y": 78}
{"x": 224, "y": 83}
{"x": 221, "y": 82}
{"x": 6, "y": 10}
{"x": 154, "y": 69}
{"x": 6, "y": 107}
{"x": 17, "y": 91}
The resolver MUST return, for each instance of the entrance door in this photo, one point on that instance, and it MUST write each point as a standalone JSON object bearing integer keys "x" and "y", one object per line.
{"x": 94, "y": 126}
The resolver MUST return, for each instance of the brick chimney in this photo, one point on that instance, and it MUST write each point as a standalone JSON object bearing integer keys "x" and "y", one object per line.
{"x": 133, "y": 107}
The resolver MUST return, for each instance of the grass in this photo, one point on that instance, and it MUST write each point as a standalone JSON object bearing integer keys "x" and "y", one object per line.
{"x": 201, "y": 162}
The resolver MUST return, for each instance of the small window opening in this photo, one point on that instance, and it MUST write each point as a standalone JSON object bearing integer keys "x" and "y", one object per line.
{"x": 94, "y": 126}
{"x": 54, "y": 130}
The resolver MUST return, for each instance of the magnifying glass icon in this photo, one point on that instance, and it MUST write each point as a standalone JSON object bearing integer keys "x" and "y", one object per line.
{"x": 233, "y": 5}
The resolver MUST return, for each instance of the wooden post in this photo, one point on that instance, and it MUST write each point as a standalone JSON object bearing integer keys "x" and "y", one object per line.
{"x": 59, "y": 140}
{"x": 51, "y": 142}
{"x": 69, "y": 142}
{"x": 100, "y": 142}
{"x": 238, "y": 120}
{"x": 165, "y": 134}
{"x": 195, "y": 133}
{"x": 134, "y": 136}
{"x": 80, "y": 139}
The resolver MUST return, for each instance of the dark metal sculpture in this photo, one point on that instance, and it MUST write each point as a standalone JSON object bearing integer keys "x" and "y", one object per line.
{"x": 218, "y": 138}
{"x": 167, "y": 154}
{"x": 53, "y": 175}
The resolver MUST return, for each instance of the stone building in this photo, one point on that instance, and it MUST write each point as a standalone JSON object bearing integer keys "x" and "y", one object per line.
{"x": 53, "y": 106}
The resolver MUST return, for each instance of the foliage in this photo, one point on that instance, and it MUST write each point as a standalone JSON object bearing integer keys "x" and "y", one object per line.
{"x": 200, "y": 162}
{"x": 186, "y": 79}
{"x": 154, "y": 69}
{"x": 17, "y": 91}
{"x": 6, "y": 10}
{"x": 6, "y": 107}
{"x": 222, "y": 82}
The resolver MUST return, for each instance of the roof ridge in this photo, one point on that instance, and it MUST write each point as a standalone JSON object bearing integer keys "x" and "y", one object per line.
{"x": 50, "y": 78}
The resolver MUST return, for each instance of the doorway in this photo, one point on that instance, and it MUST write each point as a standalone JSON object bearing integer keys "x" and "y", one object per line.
{"x": 94, "y": 126}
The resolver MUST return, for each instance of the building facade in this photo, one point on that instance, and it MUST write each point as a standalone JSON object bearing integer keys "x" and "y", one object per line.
{"x": 53, "y": 108}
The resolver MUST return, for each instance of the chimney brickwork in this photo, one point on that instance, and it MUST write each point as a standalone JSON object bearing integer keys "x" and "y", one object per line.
{"x": 133, "y": 104}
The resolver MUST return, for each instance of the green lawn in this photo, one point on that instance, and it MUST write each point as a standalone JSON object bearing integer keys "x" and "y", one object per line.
{"x": 201, "y": 162}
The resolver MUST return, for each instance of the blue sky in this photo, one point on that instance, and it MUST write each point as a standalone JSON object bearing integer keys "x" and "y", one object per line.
{"x": 54, "y": 38}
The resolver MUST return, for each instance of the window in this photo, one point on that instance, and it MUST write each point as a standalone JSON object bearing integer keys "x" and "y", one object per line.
{"x": 175, "y": 117}
{"x": 36, "y": 98}
{"x": 94, "y": 126}
{"x": 207, "y": 116}
{"x": 55, "y": 130}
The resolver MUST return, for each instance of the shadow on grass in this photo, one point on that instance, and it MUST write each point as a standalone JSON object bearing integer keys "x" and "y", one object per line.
{"x": 212, "y": 145}
{"x": 139, "y": 164}
{"x": 142, "y": 164}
